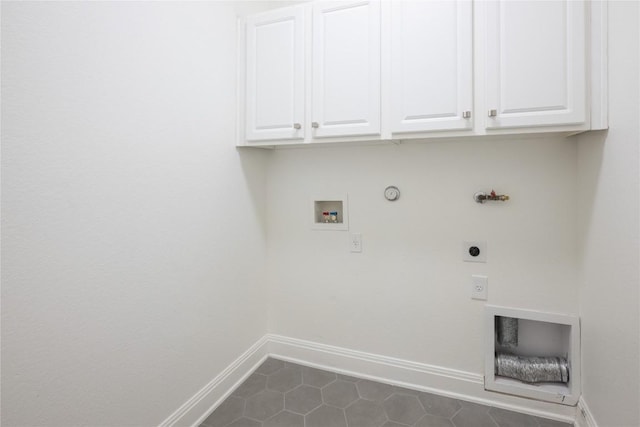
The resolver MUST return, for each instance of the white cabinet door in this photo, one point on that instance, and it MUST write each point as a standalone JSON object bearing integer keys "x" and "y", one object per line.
{"x": 432, "y": 65}
{"x": 346, "y": 68}
{"x": 275, "y": 75}
{"x": 535, "y": 63}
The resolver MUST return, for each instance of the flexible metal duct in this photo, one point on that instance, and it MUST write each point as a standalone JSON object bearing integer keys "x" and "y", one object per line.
{"x": 531, "y": 369}
{"x": 507, "y": 331}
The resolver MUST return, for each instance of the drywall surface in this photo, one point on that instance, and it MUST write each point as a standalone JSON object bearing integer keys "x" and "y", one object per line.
{"x": 609, "y": 226}
{"x": 407, "y": 295}
{"x": 132, "y": 229}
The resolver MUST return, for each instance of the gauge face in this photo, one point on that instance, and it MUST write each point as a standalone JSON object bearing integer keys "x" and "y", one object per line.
{"x": 392, "y": 193}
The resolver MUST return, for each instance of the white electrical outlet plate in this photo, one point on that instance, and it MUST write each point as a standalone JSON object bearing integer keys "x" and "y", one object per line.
{"x": 356, "y": 242}
{"x": 474, "y": 251}
{"x": 479, "y": 287}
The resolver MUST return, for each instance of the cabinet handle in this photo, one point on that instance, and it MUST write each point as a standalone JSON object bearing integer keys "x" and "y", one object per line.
{"x": 297, "y": 126}
{"x": 466, "y": 114}
{"x": 315, "y": 125}
{"x": 493, "y": 113}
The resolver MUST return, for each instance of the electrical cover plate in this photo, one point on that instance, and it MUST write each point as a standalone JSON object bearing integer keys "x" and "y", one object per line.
{"x": 479, "y": 287}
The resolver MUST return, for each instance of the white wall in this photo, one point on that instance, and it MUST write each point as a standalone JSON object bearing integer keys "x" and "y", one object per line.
{"x": 407, "y": 294}
{"x": 609, "y": 264}
{"x": 133, "y": 240}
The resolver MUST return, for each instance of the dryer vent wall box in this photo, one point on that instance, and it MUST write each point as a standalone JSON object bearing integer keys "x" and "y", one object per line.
{"x": 519, "y": 342}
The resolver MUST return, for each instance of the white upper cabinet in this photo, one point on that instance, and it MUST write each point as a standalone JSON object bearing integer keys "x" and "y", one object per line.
{"x": 535, "y": 63}
{"x": 371, "y": 70}
{"x": 346, "y": 68}
{"x": 275, "y": 75}
{"x": 432, "y": 65}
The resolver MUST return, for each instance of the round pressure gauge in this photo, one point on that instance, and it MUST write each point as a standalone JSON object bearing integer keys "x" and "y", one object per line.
{"x": 392, "y": 193}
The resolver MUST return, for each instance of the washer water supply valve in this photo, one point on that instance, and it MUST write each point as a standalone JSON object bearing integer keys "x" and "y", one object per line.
{"x": 330, "y": 217}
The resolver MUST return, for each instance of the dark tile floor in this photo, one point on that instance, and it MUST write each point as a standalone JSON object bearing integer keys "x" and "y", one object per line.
{"x": 282, "y": 394}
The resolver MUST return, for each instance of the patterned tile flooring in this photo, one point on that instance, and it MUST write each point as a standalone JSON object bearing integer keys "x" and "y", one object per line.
{"x": 283, "y": 394}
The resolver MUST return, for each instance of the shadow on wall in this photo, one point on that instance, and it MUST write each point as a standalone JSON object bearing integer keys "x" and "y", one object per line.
{"x": 590, "y": 157}
{"x": 254, "y": 168}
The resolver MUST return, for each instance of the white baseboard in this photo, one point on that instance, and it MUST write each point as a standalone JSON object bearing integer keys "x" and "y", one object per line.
{"x": 448, "y": 382}
{"x": 200, "y": 405}
{"x": 584, "y": 417}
